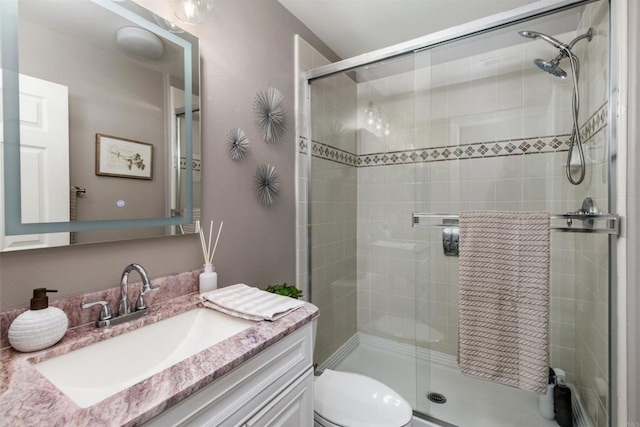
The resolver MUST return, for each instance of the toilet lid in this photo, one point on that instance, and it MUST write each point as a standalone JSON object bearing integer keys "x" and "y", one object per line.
{"x": 354, "y": 400}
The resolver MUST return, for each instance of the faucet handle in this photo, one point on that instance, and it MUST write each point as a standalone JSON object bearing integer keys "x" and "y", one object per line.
{"x": 105, "y": 312}
{"x": 141, "y": 302}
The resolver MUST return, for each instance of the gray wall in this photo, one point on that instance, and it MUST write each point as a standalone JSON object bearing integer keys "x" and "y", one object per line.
{"x": 245, "y": 46}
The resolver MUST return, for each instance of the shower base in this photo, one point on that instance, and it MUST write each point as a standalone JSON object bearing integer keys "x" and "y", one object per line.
{"x": 469, "y": 402}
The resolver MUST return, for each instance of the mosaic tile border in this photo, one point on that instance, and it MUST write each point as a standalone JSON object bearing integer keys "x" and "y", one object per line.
{"x": 534, "y": 145}
{"x": 327, "y": 152}
{"x": 595, "y": 123}
{"x": 195, "y": 164}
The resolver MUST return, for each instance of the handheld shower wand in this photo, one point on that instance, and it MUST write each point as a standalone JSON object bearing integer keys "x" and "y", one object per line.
{"x": 554, "y": 42}
{"x": 552, "y": 67}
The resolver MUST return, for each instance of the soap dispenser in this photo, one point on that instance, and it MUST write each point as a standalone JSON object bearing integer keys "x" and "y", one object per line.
{"x": 562, "y": 401}
{"x": 545, "y": 402}
{"x": 39, "y": 327}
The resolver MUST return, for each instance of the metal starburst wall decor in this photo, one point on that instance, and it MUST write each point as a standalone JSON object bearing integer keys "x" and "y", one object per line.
{"x": 238, "y": 144}
{"x": 268, "y": 106}
{"x": 267, "y": 184}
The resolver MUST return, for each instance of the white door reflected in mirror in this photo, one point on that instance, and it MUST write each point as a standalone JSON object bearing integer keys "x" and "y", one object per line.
{"x": 44, "y": 159}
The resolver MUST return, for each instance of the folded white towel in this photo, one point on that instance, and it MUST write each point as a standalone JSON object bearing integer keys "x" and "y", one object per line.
{"x": 249, "y": 303}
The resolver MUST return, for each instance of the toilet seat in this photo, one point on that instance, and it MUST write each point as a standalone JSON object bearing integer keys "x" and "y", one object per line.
{"x": 354, "y": 400}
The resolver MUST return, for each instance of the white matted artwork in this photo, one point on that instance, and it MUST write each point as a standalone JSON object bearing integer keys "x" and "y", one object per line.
{"x": 125, "y": 158}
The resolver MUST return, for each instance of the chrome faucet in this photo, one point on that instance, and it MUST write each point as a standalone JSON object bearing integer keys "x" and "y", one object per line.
{"x": 124, "y": 307}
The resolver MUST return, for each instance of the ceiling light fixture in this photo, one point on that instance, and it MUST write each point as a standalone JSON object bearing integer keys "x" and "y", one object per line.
{"x": 192, "y": 11}
{"x": 375, "y": 117}
{"x": 168, "y": 25}
{"x": 140, "y": 42}
{"x": 370, "y": 113}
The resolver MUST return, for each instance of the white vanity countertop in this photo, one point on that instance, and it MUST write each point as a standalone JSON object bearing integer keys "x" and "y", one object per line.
{"x": 28, "y": 398}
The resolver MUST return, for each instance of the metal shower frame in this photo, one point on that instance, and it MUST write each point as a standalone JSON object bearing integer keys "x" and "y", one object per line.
{"x": 473, "y": 28}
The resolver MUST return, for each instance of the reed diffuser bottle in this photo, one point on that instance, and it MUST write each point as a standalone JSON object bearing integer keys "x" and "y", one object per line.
{"x": 209, "y": 277}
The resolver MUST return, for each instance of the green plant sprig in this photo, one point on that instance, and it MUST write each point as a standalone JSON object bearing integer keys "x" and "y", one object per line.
{"x": 286, "y": 290}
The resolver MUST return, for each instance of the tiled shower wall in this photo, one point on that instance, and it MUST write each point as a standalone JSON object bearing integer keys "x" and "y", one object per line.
{"x": 502, "y": 117}
{"x": 483, "y": 136}
{"x": 334, "y": 190}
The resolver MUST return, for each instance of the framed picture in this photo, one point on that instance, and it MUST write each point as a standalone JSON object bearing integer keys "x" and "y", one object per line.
{"x": 123, "y": 158}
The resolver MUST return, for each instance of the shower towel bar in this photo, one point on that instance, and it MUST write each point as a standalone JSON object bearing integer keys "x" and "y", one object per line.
{"x": 574, "y": 222}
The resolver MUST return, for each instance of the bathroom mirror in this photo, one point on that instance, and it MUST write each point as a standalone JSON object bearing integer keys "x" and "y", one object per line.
{"x": 100, "y": 124}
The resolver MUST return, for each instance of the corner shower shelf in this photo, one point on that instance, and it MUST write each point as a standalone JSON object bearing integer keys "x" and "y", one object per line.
{"x": 574, "y": 222}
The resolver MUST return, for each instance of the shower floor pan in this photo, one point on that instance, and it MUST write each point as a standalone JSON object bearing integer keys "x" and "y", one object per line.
{"x": 469, "y": 402}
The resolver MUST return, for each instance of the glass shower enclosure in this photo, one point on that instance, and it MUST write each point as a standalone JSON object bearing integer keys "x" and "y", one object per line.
{"x": 394, "y": 145}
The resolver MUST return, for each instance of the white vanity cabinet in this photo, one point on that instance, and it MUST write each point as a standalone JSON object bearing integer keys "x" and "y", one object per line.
{"x": 291, "y": 408}
{"x": 273, "y": 388}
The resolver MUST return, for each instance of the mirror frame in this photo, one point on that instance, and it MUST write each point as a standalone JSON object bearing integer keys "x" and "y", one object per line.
{"x": 10, "y": 104}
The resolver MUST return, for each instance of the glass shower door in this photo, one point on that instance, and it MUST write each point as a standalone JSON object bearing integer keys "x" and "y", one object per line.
{"x": 495, "y": 138}
{"x": 364, "y": 250}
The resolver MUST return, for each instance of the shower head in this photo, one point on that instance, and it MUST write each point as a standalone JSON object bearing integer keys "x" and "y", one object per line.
{"x": 535, "y": 35}
{"x": 551, "y": 67}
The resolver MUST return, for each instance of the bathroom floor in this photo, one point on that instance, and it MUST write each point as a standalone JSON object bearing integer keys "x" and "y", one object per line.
{"x": 469, "y": 402}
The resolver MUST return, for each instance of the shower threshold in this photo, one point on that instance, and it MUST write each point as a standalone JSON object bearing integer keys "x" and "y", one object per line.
{"x": 421, "y": 419}
{"x": 470, "y": 402}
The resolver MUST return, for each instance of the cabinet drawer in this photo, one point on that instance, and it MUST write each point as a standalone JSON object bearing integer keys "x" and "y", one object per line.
{"x": 233, "y": 398}
{"x": 291, "y": 408}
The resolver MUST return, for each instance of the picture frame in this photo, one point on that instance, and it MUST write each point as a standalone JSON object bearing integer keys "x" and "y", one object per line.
{"x": 123, "y": 158}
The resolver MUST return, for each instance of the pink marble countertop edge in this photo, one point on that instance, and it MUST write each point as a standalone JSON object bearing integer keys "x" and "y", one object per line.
{"x": 28, "y": 398}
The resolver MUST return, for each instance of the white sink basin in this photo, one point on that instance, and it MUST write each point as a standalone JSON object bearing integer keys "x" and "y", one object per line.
{"x": 93, "y": 373}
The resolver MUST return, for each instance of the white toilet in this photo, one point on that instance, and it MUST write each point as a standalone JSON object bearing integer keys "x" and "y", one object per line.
{"x": 344, "y": 399}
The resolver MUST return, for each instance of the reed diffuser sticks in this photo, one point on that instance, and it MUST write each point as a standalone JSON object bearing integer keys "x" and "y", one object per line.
{"x": 207, "y": 253}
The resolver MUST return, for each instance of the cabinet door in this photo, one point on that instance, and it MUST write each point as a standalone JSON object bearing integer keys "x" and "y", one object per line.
{"x": 291, "y": 408}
